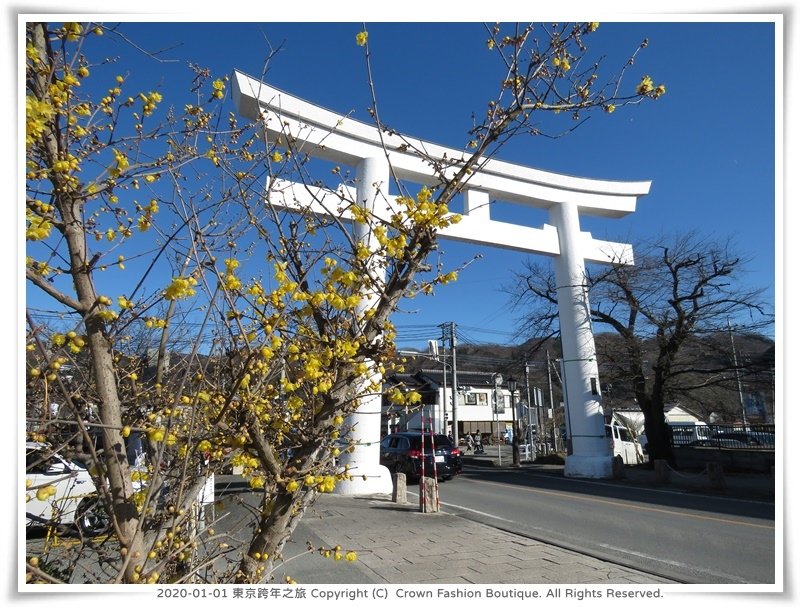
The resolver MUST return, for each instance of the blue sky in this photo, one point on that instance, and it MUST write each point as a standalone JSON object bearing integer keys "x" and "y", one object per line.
{"x": 708, "y": 145}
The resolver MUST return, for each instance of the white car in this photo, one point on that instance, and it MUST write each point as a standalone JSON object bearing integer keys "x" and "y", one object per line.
{"x": 60, "y": 492}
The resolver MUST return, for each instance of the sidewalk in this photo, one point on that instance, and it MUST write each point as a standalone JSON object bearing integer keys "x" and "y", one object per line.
{"x": 397, "y": 544}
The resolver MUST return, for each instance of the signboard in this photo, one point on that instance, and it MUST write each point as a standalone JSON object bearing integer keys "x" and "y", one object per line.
{"x": 498, "y": 401}
{"x": 498, "y": 398}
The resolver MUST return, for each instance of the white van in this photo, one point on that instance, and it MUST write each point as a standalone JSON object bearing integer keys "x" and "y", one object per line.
{"x": 622, "y": 443}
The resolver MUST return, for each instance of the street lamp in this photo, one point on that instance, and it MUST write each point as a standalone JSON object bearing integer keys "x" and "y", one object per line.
{"x": 512, "y": 388}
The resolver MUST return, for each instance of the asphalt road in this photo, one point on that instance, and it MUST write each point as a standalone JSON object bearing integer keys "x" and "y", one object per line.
{"x": 696, "y": 539}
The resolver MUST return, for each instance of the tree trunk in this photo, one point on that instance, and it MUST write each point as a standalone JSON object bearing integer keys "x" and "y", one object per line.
{"x": 659, "y": 445}
{"x": 125, "y": 514}
{"x": 275, "y": 526}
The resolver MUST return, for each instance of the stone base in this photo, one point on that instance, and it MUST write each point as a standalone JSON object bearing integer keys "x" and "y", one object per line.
{"x": 399, "y": 494}
{"x": 378, "y": 481}
{"x": 589, "y": 466}
{"x": 663, "y": 471}
{"x": 429, "y": 495}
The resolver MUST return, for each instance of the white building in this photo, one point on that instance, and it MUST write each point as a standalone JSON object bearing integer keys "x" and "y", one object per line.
{"x": 633, "y": 417}
{"x": 475, "y": 400}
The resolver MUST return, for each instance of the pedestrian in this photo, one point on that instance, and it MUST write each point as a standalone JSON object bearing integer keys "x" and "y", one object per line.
{"x": 470, "y": 443}
{"x": 478, "y": 443}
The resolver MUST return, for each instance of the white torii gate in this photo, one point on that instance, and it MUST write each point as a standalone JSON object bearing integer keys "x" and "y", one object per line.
{"x": 325, "y": 134}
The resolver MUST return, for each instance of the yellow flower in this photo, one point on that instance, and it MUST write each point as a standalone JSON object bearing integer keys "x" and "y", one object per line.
{"x": 361, "y": 38}
{"x": 180, "y": 288}
{"x": 43, "y": 493}
{"x": 124, "y": 303}
{"x": 219, "y": 89}
{"x": 72, "y": 31}
{"x": 276, "y": 156}
{"x": 351, "y": 556}
{"x": 36, "y": 114}
{"x": 38, "y": 227}
{"x": 609, "y": 109}
{"x": 449, "y": 277}
{"x": 232, "y": 282}
{"x": 328, "y": 484}
{"x": 645, "y": 86}
{"x": 562, "y": 63}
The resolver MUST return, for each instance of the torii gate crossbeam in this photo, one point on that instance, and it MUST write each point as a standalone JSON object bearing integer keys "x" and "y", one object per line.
{"x": 321, "y": 133}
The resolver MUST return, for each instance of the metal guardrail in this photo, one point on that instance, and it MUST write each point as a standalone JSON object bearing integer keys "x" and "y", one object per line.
{"x": 727, "y": 436}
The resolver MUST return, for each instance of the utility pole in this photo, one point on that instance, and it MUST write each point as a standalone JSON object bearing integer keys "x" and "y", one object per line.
{"x": 529, "y": 434}
{"x": 552, "y": 410}
{"x": 455, "y": 382}
{"x": 498, "y": 396}
{"x": 512, "y": 388}
{"x": 738, "y": 379}
{"x": 444, "y": 391}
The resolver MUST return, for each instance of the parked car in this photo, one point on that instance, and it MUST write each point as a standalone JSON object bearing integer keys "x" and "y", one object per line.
{"x": 737, "y": 440}
{"x": 717, "y": 442}
{"x": 748, "y": 437}
{"x": 60, "y": 492}
{"x": 402, "y": 452}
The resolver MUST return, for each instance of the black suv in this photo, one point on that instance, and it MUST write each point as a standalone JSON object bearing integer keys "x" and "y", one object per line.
{"x": 402, "y": 452}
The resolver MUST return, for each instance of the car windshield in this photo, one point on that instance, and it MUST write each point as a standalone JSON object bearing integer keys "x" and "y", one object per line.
{"x": 439, "y": 440}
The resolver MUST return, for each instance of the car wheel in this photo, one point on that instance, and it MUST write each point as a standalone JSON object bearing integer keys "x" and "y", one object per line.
{"x": 91, "y": 517}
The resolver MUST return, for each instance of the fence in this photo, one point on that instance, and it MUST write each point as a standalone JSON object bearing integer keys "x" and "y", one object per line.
{"x": 727, "y": 436}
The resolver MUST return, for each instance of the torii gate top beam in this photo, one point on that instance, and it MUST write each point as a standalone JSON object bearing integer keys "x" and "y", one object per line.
{"x": 327, "y": 135}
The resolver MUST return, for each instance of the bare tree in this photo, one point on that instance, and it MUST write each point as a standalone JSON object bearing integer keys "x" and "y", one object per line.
{"x": 667, "y": 311}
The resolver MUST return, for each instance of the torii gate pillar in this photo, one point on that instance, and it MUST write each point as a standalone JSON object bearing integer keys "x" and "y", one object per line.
{"x": 588, "y": 453}
{"x": 368, "y": 477}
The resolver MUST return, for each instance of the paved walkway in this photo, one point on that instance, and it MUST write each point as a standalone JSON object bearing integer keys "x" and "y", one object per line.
{"x": 397, "y": 544}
